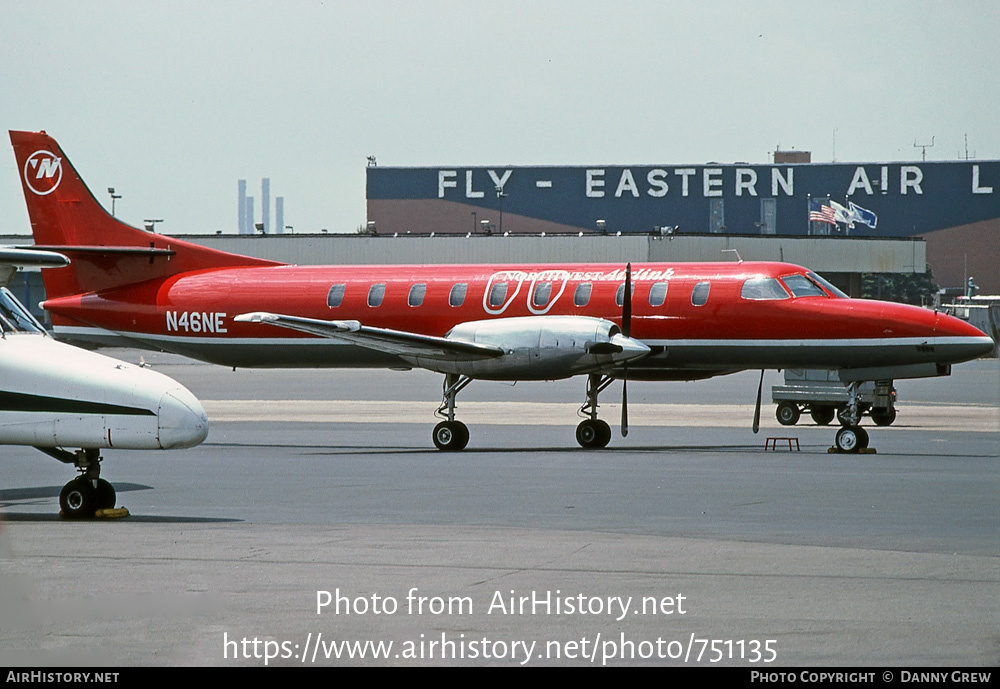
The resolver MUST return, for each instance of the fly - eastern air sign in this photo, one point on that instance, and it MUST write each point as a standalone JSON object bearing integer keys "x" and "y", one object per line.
{"x": 907, "y": 198}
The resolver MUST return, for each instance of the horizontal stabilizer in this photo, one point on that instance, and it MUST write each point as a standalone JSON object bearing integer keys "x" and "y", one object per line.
{"x": 129, "y": 250}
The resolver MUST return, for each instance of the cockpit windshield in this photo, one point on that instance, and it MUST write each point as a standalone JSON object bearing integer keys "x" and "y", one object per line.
{"x": 827, "y": 285}
{"x": 14, "y": 318}
{"x": 801, "y": 286}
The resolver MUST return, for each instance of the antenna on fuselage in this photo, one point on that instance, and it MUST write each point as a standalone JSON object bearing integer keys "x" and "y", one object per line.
{"x": 733, "y": 251}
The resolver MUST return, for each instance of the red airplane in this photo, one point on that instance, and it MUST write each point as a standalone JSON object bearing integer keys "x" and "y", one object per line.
{"x": 661, "y": 322}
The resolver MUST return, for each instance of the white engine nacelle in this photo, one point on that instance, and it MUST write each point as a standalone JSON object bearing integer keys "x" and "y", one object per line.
{"x": 541, "y": 348}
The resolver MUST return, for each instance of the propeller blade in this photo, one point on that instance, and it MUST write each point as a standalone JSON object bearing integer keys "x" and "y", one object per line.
{"x": 624, "y": 406}
{"x": 756, "y": 411}
{"x": 627, "y": 303}
{"x": 627, "y": 332}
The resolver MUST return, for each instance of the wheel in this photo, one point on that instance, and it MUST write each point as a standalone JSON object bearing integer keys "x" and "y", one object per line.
{"x": 593, "y": 433}
{"x": 105, "y": 495}
{"x": 605, "y": 433}
{"x": 451, "y": 435}
{"x": 822, "y": 415}
{"x": 884, "y": 417}
{"x": 862, "y": 437}
{"x": 78, "y": 499}
{"x": 849, "y": 439}
{"x": 787, "y": 413}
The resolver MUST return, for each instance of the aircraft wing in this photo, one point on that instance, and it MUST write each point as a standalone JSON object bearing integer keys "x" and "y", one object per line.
{"x": 12, "y": 258}
{"x": 396, "y": 342}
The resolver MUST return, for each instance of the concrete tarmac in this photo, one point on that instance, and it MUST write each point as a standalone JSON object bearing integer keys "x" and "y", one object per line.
{"x": 318, "y": 517}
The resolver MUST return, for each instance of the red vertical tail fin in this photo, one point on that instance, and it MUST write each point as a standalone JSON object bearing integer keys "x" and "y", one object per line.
{"x": 105, "y": 252}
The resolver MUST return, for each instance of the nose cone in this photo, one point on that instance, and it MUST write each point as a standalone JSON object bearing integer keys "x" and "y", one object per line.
{"x": 630, "y": 349}
{"x": 964, "y": 340}
{"x": 181, "y": 420}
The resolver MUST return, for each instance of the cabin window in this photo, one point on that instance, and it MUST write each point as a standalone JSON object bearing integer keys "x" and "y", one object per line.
{"x": 658, "y": 294}
{"x": 581, "y": 297}
{"x": 620, "y": 294}
{"x": 801, "y": 286}
{"x": 416, "y": 296}
{"x": 335, "y": 296}
{"x": 763, "y": 288}
{"x": 457, "y": 295}
{"x": 376, "y": 294}
{"x": 498, "y": 293}
{"x": 699, "y": 295}
{"x": 543, "y": 290}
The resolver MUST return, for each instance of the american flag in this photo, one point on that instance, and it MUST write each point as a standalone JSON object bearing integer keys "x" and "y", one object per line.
{"x": 820, "y": 212}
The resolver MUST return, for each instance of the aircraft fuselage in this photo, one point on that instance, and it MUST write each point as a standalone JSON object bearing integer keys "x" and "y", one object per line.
{"x": 697, "y": 317}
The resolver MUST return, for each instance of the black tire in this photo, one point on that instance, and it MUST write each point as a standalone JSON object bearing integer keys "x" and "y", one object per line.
{"x": 787, "y": 414}
{"x": 883, "y": 417}
{"x": 593, "y": 434}
{"x": 862, "y": 437}
{"x": 451, "y": 436}
{"x": 849, "y": 439}
{"x": 78, "y": 499}
{"x": 105, "y": 495}
{"x": 822, "y": 416}
{"x": 605, "y": 433}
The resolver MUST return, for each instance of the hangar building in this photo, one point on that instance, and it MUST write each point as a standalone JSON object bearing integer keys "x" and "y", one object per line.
{"x": 954, "y": 205}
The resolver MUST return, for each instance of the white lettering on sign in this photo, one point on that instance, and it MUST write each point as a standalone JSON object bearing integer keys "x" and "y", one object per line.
{"x": 684, "y": 173}
{"x": 860, "y": 181}
{"x": 595, "y": 184}
{"x": 469, "y": 192}
{"x": 910, "y": 177}
{"x": 712, "y": 181}
{"x": 976, "y": 189}
{"x": 626, "y": 183}
{"x": 499, "y": 182}
{"x": 445, "y": 181}
{"x": 657, "y": 184}
{"x": 746, "y": 179}
{"x": 786, "y": 183}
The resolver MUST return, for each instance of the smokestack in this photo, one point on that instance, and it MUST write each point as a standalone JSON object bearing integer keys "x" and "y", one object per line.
{"x": 279, "y": 214}
{"x": 241, "y": 207}
{"x": 265, "y": 204}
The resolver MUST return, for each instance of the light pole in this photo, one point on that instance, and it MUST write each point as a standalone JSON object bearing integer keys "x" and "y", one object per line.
{"x": 111, "y": 190}
{"x": 500, "y": 197}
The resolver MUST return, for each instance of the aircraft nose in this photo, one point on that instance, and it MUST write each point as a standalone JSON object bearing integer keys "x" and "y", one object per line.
{"x": 181, "y": 419}
{"x": 969, "y": 340}
{"x": 630, "y": 348}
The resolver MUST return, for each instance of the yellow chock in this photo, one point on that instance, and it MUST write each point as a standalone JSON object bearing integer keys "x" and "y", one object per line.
{"x": 112, "y": 513}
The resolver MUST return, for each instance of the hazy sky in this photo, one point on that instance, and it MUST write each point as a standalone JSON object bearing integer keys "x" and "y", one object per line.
{"x": 172, "y": 102}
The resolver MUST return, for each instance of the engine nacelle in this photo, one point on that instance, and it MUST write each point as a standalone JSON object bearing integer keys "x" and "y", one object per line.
{"x": 541, "y": 348}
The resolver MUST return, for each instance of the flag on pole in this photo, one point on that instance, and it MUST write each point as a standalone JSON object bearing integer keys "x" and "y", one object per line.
{"x": 863, "y": 215}
{"x": 820, "y": 212}
{"x": 841, "y": 214}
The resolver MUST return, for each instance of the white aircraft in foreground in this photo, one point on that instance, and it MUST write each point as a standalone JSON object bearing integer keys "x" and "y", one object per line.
{"x": 54, "y": 396}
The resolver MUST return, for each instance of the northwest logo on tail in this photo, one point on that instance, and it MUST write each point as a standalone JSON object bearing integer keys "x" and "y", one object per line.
{"x": 42, "y": 172}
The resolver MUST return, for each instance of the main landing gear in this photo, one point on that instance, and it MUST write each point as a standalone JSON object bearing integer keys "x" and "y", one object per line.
{"x": 593, "y": 433}
{"x": 88, "y": 492}
{"x": 451, "y": 435}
